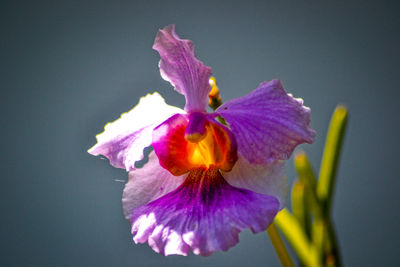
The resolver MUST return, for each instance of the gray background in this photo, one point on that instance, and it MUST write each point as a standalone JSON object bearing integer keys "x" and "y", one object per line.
{"x": 69, "y": 67}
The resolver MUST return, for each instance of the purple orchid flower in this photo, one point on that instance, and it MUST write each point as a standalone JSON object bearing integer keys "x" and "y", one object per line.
{"x": 204, "y": 182}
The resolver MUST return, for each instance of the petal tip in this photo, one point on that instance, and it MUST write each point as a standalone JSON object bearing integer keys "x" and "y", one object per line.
{"x": 268, "y": 123}
{"x": 180, "y": 67}
{"x": 124, "y": 139}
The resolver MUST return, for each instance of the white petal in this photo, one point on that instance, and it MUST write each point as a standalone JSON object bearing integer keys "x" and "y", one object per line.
{"x": 147, "y": 184}
{"x": 267, "y": 179}
{"x": 123, "y": 140}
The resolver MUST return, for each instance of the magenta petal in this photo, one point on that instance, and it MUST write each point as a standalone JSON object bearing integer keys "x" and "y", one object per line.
{"x": 268, "y": 123}
{"x": 204, "y": 213}
{"x": 123, "y": 140}
{"x": 182, "y": 69}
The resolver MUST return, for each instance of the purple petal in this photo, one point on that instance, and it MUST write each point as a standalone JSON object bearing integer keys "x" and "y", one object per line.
{"x": 182, "y": 69}
{"x": 268, "y": 123}
{"x": 196, "y": 129}
{"x": 123, "y": 140}
{"x": 147, "y": 184}
{"x": 204, "y": 213}
{"x": 267, "y": 179}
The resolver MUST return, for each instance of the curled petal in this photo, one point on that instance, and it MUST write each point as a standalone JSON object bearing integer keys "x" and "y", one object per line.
{"x": 178, "y": 155}
{"x": 268, "y": 123}
{"x": 267, "y": 179}
{"x": 147, "y": 184}
{"x": 182, "y": 69}
{"x": 205, "y": 213}
{"x": 123, "y": 140}
{"x": 170, "y": 145}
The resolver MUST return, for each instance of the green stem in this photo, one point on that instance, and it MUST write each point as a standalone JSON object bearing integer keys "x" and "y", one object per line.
{"x": 307, "y": 177}
{"x": 291, "y": 229}
{"x": 323, "y": 231}
{"x": 326, "y": 182}
{"x": 330, "y": 158}
{"x": 333, "y": 254}
{"x": 279, "y": 246}
{"x": 300, "y": 207}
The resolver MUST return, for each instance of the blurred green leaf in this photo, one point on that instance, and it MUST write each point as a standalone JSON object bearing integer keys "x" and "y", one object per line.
{"x": 279, "y": 246}
{"x": 330, "y": 157}
{"x": 307, "y": 177}
{"x": 297, "y": 238}
{"x": 300, "y": 208}
{"x": 312, "y": 201}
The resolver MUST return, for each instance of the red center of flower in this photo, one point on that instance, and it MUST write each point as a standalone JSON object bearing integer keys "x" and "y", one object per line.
{"x": 183, "y": 143}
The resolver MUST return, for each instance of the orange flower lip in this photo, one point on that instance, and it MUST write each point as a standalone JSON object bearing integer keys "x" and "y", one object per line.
{"x": 182, "y": 145}
{"x": 212, "y": 149}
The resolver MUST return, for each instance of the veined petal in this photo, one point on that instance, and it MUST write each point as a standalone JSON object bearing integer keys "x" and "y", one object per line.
{"x": 205, "y": 213}
{"x": 147, "y": 184}
{"x": 268, "y": 123}
{"x": 267, "y": 179}
{"x": 123, "y": 140}
{"x": 182, "y": 69}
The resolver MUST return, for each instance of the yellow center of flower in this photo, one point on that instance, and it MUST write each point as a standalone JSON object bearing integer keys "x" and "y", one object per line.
{"x": 195, "y": 143}
{"x": 215, "y": 148}
{"x": 204, "y": 152}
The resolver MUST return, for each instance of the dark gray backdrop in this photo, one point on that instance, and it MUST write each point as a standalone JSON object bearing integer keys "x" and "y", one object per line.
{"x": 69, "y": 67}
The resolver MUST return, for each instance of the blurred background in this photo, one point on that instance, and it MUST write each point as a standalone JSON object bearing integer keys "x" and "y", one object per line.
{"x": 69, "y": 67}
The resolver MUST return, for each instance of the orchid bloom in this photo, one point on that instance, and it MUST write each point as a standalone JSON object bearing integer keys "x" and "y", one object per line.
{"x": 205, "y": 182}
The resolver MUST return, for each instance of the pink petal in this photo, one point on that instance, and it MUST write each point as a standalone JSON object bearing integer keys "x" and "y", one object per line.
{"x": 205, "y": 213}
{"x": 147, "y": 184}
{"x": 182, "y": 69}
{"x": 267, "y": 179}
{"x": 123, "y": 140}
{"x": 268, "y": 123}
